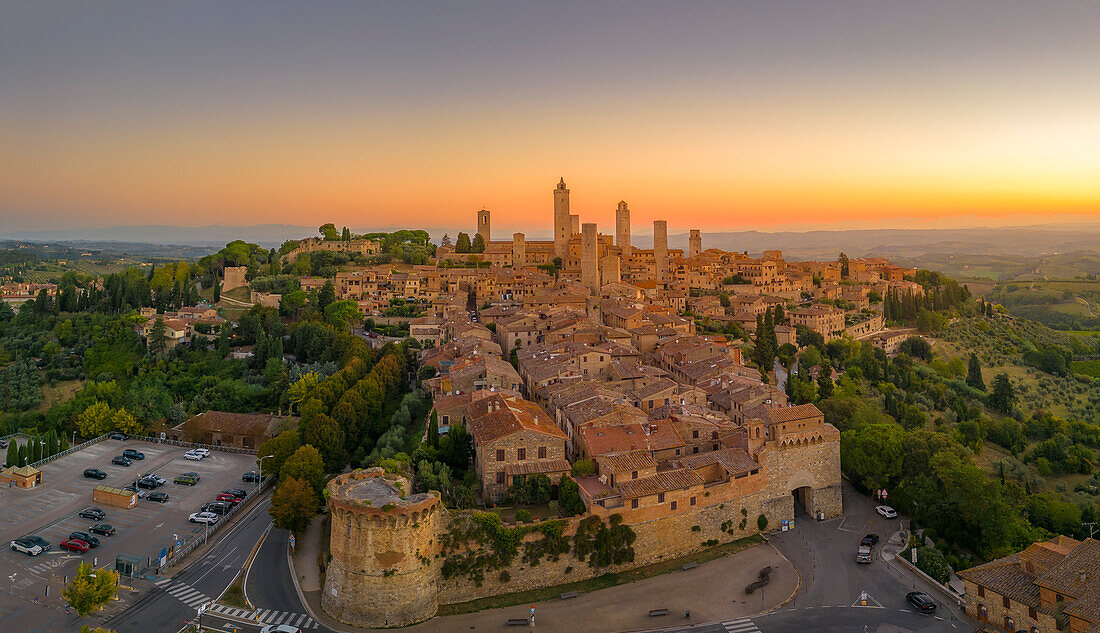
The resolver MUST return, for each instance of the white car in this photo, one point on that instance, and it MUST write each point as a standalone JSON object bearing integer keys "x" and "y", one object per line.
{"x": 27, "y": 547}
{"x": 203, "y": 517}
{"x": 280, "y": 628}
{"x": 205, "y": 452}
{"x": 887, "y": 512}
{"x": 193, "y": 456}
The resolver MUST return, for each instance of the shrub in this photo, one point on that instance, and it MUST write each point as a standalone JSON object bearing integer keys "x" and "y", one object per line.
{"x": 523, "y": 516}
{"x": 762, "y": 522}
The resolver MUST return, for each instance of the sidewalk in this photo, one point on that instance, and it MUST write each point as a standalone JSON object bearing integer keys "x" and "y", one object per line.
{"x": 713, "y": 591}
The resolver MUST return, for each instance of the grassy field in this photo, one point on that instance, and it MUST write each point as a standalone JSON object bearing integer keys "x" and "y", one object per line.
{"x": 58, "y": 393}
{"x": 1086, "y": 367}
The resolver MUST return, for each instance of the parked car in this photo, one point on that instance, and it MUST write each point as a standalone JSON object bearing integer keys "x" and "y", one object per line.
{"x": 155, "y": 477}
{"x": 3, "y": 443}
{"x": 94, "y": 514}
{"x": 887, "y": 512}
{"x": 75, "y": 545}
{"x": 39, "y": 541}
{"x": 186, "y": 479}
{"x": 102, "y": 529}
{"x": 160, "y": 497}
{"x": 203, "y": 517}
{"x": 252, "y": 477}
{"x": 235, "y": 492}
{"x": 137, "y": 491}
{"x": 95, "y": 473}
{"x": 863, "y": 555}
{"x": 193, "y": 456}
{"x": 228, "y": 498}
{"x": 28, "y": 547}
{"x": 133, "y": 454}
{"x": 147, "y": 483}
{"x": 120, "y": 460}
{"x": 869, "y": 540}
{"x": 117, "y": 435}
{"x": 921, "y": 601}
{"x": 280, "y": 628}
{"x": 205, "y": 452}
{"x": 86, "y": 537}
{"x": 217, "y": 507}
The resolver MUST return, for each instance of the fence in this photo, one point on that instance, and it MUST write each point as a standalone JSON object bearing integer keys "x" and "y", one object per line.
{"x": 182, "y": 444}
{"x": 197, "y": 542}
{"x": 68, "y": 451}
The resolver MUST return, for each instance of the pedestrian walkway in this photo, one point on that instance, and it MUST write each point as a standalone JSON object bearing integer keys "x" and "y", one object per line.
{"x": 267, "y": 616}
{"x": 741, "y": 625}
{"x": 183, "y": 592}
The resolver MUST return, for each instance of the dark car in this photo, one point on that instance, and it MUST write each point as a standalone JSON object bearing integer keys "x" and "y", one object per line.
{"x": 86, "y": 537}
{"x": 39, "y": 541}
{"x": 94, "y": 473}
{"x": 236, "y": 492}
{"x": 75, "y": 545}
{"x": 217, "y": 507}
{"x": 186, "y": 479}
{"x": 148, "y": 484}
{"x": 94, "y": 514}
{"x": 102, "y": 529}
{"x": 132, "y": 454}
{"x": 869, "y": 540}
{"x": 120, "y": 460}
{"x": 117, "y": 435}
{"x": 160, "y": 497}
{"x": 921, "y": 601}
{"x": 252, "y": 477}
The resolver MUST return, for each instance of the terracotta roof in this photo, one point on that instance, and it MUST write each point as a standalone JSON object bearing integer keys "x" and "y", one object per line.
{"x": 661, "y": 482}
{"x": 626, "y": 462}
{"x": 1078, "y": 575}
{"x": 234, "y": 423}
{"x": 537, "y": 467}
{"x": 602, "y": 440}
{"x": 790, "y": 414}
{"x": 736, "y": 461}
{"x": 506, "y": 416}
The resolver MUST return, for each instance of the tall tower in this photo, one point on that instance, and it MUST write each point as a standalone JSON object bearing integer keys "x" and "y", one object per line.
{"x": 660, "y": 250}
{"x": 622, "y": 228}
{"x": 695, "y": 243}
{"x": 590, "y": 262}
{"x": 519, "y": 250}
{"x": 574, "y": 224}
{"x": 562, "y": 223}
{"x": 483, "y": 224}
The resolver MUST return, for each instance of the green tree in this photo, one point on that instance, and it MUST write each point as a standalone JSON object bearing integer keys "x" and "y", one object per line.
{"x": 326, "y": 434}
{"x": 91, "y": 589}
{"x": 307, "y": 465}
{"x": 293, "y": 505}
{"x": 932, "y": 562}
{"x": 1003, "y": 397}
{"x": 95, "y": 420}
{"x": 13, "y": 454}
{"x": 974, "y": 373}
{"x": 157, "y": 341}
{"x": 569, "y": 497}
{"x": 824, "y": 384}
{"x": 280, "y": 447}
{"x": 123, "y": 420}
{"x": 328, "y": 232}
{"x": 843, "y": 259}
{"x": 341, "y": 314}
{"x": 217, "y": 289}
{"x": 433, "y": 430}
{"x": 478, "y": 245}
{"x": 326, "y": 295}
{"x": 462, "y": 243}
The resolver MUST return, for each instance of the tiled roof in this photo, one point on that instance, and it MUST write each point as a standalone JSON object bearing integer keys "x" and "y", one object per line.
{"x": 235, "y": 423}
{"x": 1078, "y": 575}
{"x": 602, "y": 440}
{"x": 661, "y": 482}
{"x": 790, "y": 414}
{"x": 1006, "y": 577}
{"x": 736, "y": 461}
{"x": 537, "y": 467}
{"x": 626, "y": 462}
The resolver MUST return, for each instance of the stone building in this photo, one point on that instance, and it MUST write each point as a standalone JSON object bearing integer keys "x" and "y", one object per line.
{"x": 383, "y": 543}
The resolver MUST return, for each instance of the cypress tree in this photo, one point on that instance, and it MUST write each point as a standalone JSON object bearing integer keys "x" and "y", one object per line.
{"x": 974, "y": 373}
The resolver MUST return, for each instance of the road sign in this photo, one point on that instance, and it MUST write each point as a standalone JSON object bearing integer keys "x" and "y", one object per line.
{"x": 202, "y": 608}
{"x": 292, "y": 541}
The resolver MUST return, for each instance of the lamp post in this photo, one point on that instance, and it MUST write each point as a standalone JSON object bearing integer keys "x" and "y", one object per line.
{"x": 260, "y": 477}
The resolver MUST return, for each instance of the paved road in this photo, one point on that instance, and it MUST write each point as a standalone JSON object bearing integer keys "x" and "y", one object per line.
{"x": 174, "y": 600}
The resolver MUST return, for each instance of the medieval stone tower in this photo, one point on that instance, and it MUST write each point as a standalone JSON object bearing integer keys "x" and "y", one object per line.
{"x": 483, "y": 224}
{"x": 695, "y": 243}
{"x": 660, "y": 250}
{"x": 563, "y": 225}
{"x": 622, "y": 228}
{"x": 519, "y": 250}
{"x": 383, "y": 541}
{"x": 590, "y": 259}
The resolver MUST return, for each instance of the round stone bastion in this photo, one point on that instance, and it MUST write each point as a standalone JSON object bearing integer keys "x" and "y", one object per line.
{"x": 383, "y": 571}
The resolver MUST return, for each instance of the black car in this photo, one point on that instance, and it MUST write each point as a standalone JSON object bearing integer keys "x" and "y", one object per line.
{"x": 161, "y": 497}
{"x": 236, "y": 492}
{"x": 220, "y": 508}
{"x": 102, "y": 529}
{"x": 869, "y": 540}
{"x": 94, "y": 514}
{"x": 87, "y": 538}
{"x": 120, "y": 460}
{"x": 94, "y": 473}
{"x": 132, "y": 454}
{"x": 117, "y": 435}
{"x": 921, "y": 601}
{"x": 252, "y": 477}
{"x": 148, "y": 484}
{"x": 39, "y": 541}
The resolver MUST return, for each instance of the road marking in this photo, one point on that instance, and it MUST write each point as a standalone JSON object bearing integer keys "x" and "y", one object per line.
{"x": 740, "y": 625}
{"x": 158, "y": 526}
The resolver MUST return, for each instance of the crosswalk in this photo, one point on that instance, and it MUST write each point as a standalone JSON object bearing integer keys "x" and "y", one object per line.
{"x": 740, "y": 625}
{"x": 193, "y": 598}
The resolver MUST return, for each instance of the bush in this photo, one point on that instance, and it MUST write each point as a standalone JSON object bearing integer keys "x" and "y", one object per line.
{"x": 932, "y": 562}
{"x": 523, "y": 516}
{"x": 762, "y": 522}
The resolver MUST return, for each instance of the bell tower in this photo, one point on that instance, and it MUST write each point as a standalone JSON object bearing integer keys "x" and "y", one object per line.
{"x": 563, "y": 225}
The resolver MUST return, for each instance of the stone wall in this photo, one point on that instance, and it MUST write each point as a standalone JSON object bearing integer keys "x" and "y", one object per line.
{"x": 233, "y": 277}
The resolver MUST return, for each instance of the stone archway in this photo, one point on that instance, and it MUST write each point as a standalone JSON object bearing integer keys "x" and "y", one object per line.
{"x": 803, "y": 500}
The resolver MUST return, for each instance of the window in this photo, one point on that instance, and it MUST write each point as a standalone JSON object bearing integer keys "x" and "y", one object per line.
{"x": 1009, "y": 624}
{"x": 633, "y": 474}
{"x": 692, "y": 501}
{"x": 1006, "y": 602}
{"x": 694, "y": 449}
{"x": 673, "y": 505}
{"x": 981, "y": 592}
{"x": 1032, "y": 614}
{"x": 677, "y": 452}
{"x": 446, "y": 420}
{"x": 500, "y": 477}
{"x": 542, "y": 452}
{"x": 714, "y": 447}
{"x": 660, "y": 497}
{"x": 500, "y": 454}
{"x": 695, "y": 435}
{"x": 714, "y": 435}
{"x": 521, "y": 454}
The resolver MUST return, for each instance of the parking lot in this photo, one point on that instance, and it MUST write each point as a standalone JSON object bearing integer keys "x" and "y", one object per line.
{"x": 50, "y": 510}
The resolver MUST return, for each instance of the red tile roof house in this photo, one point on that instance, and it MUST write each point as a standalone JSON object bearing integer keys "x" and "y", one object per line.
{"x": 236, "y": 430}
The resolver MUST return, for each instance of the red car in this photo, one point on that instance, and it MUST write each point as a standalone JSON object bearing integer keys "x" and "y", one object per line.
{"x": 228, "y": 498}
{"x": 76, "y": 545}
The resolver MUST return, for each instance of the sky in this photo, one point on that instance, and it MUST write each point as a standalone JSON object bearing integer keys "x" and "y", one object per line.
{"x": 712, "y": 115}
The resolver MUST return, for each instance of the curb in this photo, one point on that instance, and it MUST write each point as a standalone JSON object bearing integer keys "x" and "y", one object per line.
{"x": 797, "y": 588}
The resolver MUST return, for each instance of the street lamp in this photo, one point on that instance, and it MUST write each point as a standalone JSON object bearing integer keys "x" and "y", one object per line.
{"x": 260, "y": 478}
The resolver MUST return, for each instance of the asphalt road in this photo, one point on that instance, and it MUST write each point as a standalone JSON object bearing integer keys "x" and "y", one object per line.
{"x": 173, "y": 601}
{"x": 270, "y": 580}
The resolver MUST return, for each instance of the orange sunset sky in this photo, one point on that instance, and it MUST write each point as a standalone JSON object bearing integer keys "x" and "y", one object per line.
{"x": 722, "y": 116}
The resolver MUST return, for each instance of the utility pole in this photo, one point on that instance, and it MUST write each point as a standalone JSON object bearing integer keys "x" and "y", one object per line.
{"x": 1092, "y": 527}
